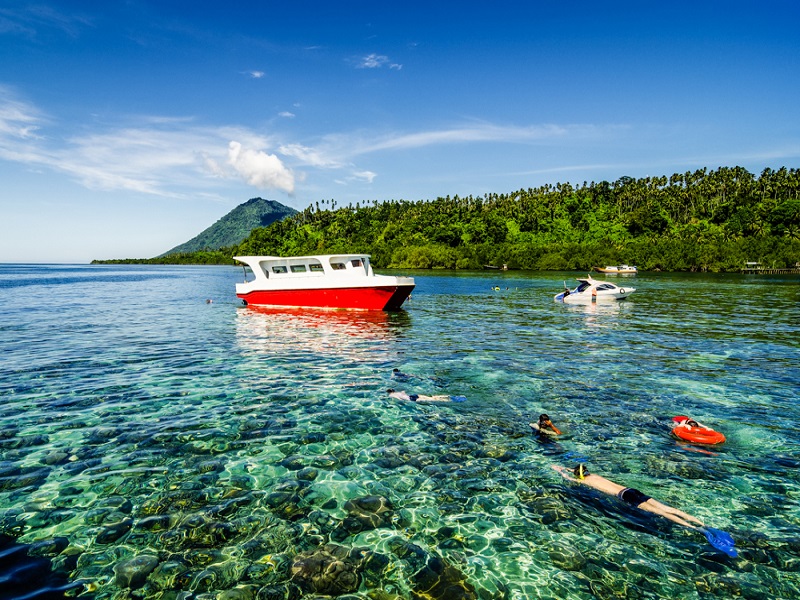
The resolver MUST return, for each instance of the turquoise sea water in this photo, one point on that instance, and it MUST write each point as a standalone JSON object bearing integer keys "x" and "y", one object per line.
{"x": 155, "y": 445}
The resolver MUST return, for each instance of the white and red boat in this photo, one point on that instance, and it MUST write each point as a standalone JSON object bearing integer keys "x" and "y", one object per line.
{"x": 322, "y": 281}
{"x": 590, "y": 290}
{"x": 617, "y": 270}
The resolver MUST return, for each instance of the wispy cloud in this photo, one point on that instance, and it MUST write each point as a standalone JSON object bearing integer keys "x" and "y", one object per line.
{"x": 256, "y": 74}
{"x": 18, "y": 119}
{"x": 376, "y": 61}
{"x": 316, "y": 157}
{"x": 373, "y": 61}
{"x": 34, "y": 18}
{"x": 177, "y": 157}
{"x": 476, "y": 133}
{"x": 286, "y": 114}
{"x": 161, "y": 156}
{"x": 367, "y": 176}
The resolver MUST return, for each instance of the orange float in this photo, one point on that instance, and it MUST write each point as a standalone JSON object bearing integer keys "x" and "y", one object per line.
{"x": 691, "y": 431}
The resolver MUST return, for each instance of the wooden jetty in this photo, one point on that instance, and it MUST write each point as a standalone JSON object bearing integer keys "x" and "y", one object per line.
{"x": 756, "y": 268}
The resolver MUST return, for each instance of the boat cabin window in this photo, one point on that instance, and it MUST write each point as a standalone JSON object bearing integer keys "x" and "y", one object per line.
{"x": 298, "y": 268}
{"x": 356, "y": 262}
{"x": 605, "y": 286}
{"x": 279, "y": 269}
{"x": 582, "y": 286}
{"x": 315, "y": 268}
{"x": 338, "y": 266}
{"x": 249, "y": 271}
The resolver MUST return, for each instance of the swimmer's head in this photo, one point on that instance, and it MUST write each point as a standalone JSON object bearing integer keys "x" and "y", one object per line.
{"x": 390, "y": 391}
{"x": 544, "y": 418}
{"x": 581, "y": 471}
{"x": 395, "y": 370}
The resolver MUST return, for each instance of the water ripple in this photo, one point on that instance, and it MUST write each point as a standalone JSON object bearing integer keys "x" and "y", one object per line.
{"x": 152, "y": 443}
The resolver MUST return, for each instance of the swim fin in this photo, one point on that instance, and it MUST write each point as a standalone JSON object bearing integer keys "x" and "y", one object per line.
{"x": 458, "y": 398}
{"x": 720, "y": 540}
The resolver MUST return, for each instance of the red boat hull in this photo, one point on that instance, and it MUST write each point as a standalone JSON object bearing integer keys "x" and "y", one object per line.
{"x": 366, "y": 298}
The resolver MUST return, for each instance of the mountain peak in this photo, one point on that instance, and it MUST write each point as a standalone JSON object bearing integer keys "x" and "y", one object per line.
{"x": 235, "y": 226}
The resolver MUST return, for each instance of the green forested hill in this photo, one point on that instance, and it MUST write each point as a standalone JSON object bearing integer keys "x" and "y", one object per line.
{"x": 703, "y": 220}
{"x": 706, "y": 220}
{"x": 235, "y": 226}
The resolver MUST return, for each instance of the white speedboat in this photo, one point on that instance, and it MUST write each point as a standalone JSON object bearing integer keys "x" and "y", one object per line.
{"x": 591, "y": 290}
{"x": 618, "y": 270}
{"x": 321, "y": 281}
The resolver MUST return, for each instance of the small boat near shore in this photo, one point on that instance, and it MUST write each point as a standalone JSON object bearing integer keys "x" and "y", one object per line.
{"x": 321, "y": 281}
{"x": 617, "y": 270}
{"x": 590, "y": 290}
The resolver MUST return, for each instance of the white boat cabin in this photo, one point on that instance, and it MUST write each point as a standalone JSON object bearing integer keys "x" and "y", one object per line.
{"x": 297, "y": 267}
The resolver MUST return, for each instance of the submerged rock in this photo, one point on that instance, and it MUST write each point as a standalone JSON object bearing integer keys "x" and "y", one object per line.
{"x": 112, "y": 533}
{"x": 328, "y": 570}
{"x": 370, "y": 511}
{"x": 283, "y": 591}
{"x": 567, "y": 557}
{"x": 439, "y": 580}
{"x": 293, "y": 462}
{"x": 132, "y": 573}
{"x": 307, "y": 474}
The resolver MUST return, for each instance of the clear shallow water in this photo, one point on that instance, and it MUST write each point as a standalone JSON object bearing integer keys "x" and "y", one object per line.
{"x": 154, "y": 445}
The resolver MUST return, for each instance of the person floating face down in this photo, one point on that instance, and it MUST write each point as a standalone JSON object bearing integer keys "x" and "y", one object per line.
{"x": 545, "y": 426}
{"x": 631, "y": 496}
{"x": 421, "y": 398}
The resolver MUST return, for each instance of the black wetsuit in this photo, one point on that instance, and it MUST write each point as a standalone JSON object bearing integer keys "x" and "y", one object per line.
{"x": 632, "y": 496}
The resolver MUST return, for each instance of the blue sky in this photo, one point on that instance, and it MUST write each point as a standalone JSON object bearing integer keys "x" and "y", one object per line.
{"x": 127, "y": 128}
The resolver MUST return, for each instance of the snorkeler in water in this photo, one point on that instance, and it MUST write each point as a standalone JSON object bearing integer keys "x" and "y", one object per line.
{"x": 545, "y": 426}
{"x": 422, "y": 398}
{"x": 633, "y": 497}
{"x": 402, "y": 377}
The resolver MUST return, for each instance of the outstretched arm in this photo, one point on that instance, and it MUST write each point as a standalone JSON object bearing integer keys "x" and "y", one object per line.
{"x": 565, "y": 473}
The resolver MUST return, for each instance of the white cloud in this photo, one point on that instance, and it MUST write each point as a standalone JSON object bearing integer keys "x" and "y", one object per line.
{"x": 256, "y": 74}
{"x": 476, "y": 133}
{"x": 286, "y": 114}
{"x": 373, "y": 61}
{"x": 376, "y": 61}
{"x": 213, "y": 167}
{"x": 163, "y": 156}
{"x": 18, "y": 119}
{"x": 367, "y": 176}
{"x": 309, "y": 156}
{"x": 176, "y": 157}
{"x": 260, "y": 169}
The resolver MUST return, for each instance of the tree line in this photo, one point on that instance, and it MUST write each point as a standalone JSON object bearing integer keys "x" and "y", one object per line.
{"x": 703, "y": 220}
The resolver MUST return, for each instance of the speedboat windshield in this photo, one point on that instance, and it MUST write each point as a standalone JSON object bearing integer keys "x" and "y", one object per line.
{"x": 583, "y": 285}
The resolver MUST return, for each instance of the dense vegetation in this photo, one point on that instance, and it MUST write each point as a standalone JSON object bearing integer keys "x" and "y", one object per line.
{"x": 703, "y": 220}
{"x": 204, "y": 257}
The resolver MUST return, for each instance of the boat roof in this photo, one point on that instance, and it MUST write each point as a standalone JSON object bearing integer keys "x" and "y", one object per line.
{"x": 320, "y": 257}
